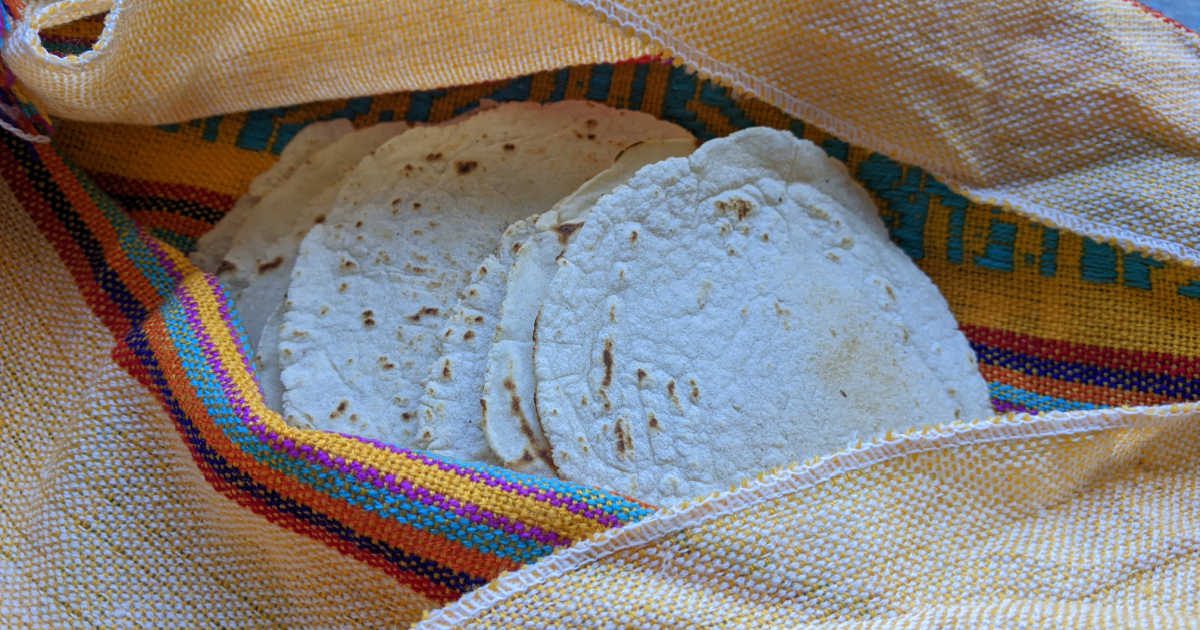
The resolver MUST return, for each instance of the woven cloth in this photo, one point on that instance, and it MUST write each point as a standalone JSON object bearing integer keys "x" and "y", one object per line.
{"x": 145, "y": 482}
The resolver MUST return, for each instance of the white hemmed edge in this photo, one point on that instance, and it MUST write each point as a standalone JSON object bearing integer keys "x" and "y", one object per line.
{"x": 780, "y": 483}
{"x": 621, "y": 15}
{"x": 27, "y": 137}
{"x": 26, "y": 37}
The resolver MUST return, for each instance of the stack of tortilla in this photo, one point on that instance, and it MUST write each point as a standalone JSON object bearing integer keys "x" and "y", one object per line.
{"x": 577, "y": 291}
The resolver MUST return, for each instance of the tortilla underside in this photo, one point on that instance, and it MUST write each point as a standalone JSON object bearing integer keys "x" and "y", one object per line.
{"x": 212, "y": 246}
{"x": 266, "y": 363}
{"x": 258, "y": 265}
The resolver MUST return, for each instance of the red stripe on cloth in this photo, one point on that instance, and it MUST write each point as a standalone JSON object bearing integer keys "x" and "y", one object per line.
{"x": 1115, "y": 358}
{"x": 74, "y": 258}
{"x": 1156, "y": 13}
{"x": 196, "y": 411}
{"x": 121, "y": 185}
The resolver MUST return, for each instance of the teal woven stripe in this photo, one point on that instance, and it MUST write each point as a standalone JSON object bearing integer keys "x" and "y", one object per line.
{"x": 1030, "y": 400}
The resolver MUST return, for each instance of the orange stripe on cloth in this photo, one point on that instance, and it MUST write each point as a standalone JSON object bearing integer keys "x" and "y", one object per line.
{"x": 1070, "y": 391}
{"x": 99, "y": 227}
{"x": 513, "y": 506}
{"x": 399, "y": 535}
{"x": 211, "y": 435}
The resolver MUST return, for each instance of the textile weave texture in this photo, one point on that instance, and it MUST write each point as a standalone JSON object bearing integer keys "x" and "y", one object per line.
{"x": 1055, "y": 109}
{"x": 146, "y": 483}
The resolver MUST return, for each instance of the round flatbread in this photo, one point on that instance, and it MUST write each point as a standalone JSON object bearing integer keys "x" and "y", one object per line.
{"x": 510, "y": 421}
{"x": 258, "y": 265}
{"x": 212, "y": 246}
{"x": 736, "y": 310}
{"x": 451, "y": 410}
{"x": 370, "y": 291}
{"x": 266, "y": 362}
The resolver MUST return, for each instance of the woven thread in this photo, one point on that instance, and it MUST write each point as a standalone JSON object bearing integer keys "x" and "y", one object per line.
{"x": 1061, "y": 322}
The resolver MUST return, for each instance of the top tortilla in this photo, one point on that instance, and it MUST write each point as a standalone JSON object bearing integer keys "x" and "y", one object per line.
{"x": 371, "y": 288}
{"x": 733, "y": 311}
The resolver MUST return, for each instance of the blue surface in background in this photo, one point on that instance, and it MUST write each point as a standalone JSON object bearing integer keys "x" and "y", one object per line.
{"x": 1185, "y": 11}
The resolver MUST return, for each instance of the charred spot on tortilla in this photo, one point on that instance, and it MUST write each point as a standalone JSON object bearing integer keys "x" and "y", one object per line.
{"x": 624, "y": 442}
{"x": 671, "y": 393}
{"x": 565, "y": 230}
{"x": 607, "y": 357}
{"x": 735, "y": 206}
{"x": 426, "y": 311}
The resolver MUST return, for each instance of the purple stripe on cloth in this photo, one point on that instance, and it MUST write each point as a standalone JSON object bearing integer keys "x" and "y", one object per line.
{"x": 1004, "y": 406}
{"x": 164, "y": 260}
{"x": 542, "y": 494}
{"x": 365, "y": 474}
{"x": 552, "y": 497}
{"x": 223, "y": 299}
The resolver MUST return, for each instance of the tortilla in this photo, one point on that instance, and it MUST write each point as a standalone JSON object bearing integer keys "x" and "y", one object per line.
{"x": 451, "y": 412}
{"x": 372, "y": 286}
{"x": 258, "y": 265}
{"x": 211, "y": 247}
{"x": 266, "y": 362}
{"x": 733, "y": 311}
{"x": 510, "y": 421}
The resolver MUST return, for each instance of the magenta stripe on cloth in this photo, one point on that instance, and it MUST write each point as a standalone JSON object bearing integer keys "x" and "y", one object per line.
{"x": 163, "y": 260}
{"x": 547, "y": 495}
{"x": 1004, "y": 406}
{"x": 542, "y": 494}
{"x": 223, "y": 302}
{"x": 365, "y": 474}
